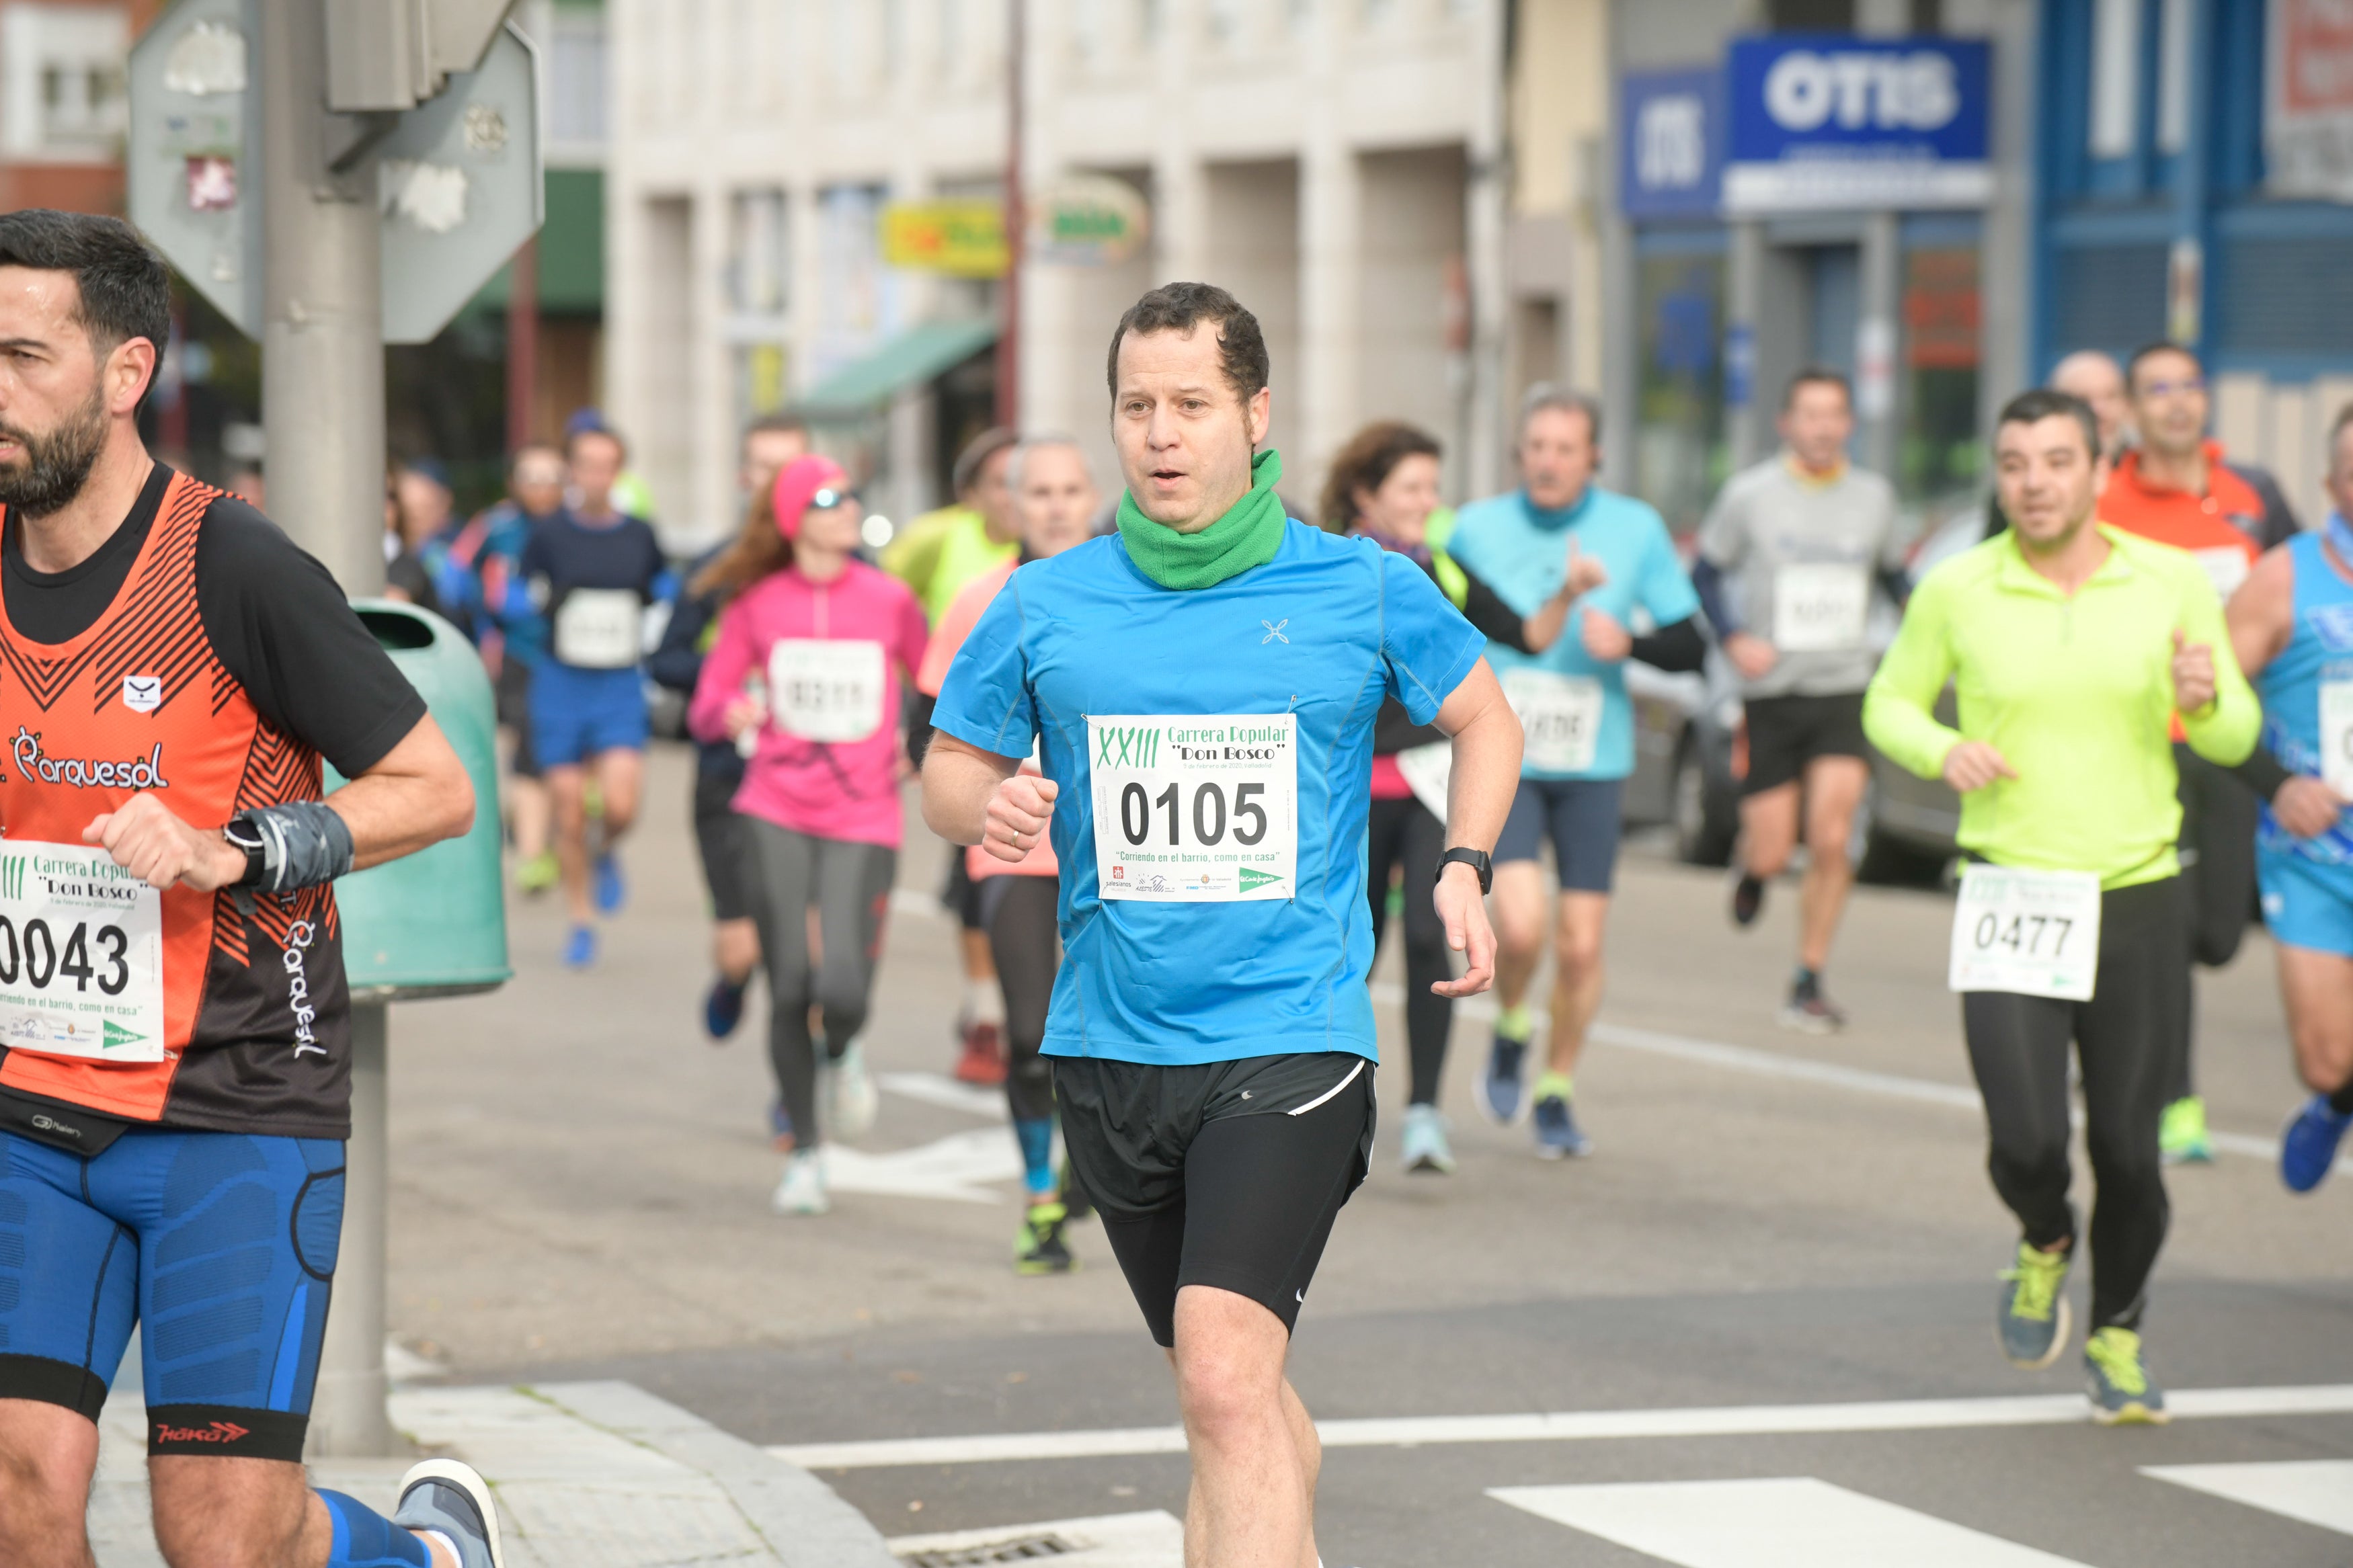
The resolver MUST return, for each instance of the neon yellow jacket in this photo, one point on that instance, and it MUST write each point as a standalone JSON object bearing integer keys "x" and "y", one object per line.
{"x": 2075, "y": 692}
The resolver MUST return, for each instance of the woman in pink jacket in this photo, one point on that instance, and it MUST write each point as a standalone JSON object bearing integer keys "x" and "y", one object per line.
{"x": 810, "y": 661}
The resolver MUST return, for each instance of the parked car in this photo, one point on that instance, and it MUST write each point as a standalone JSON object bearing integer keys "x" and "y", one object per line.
{"x": 1684, "y": 729}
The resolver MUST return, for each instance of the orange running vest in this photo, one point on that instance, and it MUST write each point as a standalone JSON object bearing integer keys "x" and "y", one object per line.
{"x": 257, "y": 1012}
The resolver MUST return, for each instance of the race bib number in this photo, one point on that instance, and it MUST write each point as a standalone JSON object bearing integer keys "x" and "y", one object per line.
{"x": 81, "y": 955}
{"x": 2226, "y": 567}
{"x": 824, "y": 691}
{"x": 2032, "y": 933}
{"x": 1195, "y": 808}
{"x": 1427, "y": 771}
{"x": 1819, "y": 608}
{"x": 599, "y": 628}
{"x": 1560, "y": 716}
{"x": 2336, "y": 736}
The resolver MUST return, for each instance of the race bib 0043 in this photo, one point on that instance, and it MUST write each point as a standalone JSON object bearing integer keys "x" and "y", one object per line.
{"x": 2337, "y": 737}
{"x": 1820, "y": 606}
{"x": 2032, "y": 933}
{"x": 599, "y": 628}
{"x": 820, "y": 690}
{"x": 81, "y": 955}
{"x": 1560, "y": 718}
{"x": 1195, "y": 808}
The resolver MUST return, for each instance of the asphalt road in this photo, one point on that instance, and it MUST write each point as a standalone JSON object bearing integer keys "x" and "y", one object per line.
{"x": 1772, "y": 1225}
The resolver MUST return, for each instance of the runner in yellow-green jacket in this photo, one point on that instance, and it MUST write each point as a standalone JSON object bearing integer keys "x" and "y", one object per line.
{"x": 2071, "y": 645}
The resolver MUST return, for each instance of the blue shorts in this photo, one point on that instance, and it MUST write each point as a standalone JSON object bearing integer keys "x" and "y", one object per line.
{"x": 222, "y": 1243}
{"x": 1581, "y": 815}
{"x": 577, "y": 714}
{"x": 2306, "y": 904}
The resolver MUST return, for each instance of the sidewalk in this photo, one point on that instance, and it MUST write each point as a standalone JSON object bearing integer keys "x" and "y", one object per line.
{"x": 588, "y": 1475}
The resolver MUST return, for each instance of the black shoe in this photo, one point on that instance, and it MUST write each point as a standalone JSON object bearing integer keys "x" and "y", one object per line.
{"x": 1808, "y": 1011}
{"x": 1039, "y": 1248}
{"x": 1748, "y": 899}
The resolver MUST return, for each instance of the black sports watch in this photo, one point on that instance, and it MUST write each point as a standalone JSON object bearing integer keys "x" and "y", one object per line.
{"x": 1478, "y": 860}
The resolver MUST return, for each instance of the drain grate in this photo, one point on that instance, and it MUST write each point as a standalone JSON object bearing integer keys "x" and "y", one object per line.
{"x": 1028, "y": 1549}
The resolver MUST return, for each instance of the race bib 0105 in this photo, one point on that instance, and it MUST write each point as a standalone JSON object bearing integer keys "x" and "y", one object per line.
{"x": 1195, "y": 808}
{"x": 1820, "y": 606}
{"x": 599, "y": 628}
{"x": 2032, "y": 933}
{"x": 81, "y": 955}
{"x": 1560, "y": 717}
{"x": 820, "y": 690}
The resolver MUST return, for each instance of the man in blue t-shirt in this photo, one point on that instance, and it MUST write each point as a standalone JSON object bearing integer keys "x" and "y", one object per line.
{"x": 1585, "y": 566}
{"x": 1201, "y": 688}
{"x": 591, "y": 571}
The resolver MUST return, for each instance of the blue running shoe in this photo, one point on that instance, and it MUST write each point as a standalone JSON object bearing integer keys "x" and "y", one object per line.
{"x": 1557, "y": 1137}
{"x": 580, "y": 947}
{"x": 723, "y": 1006}
{"x": 2123, "y": 1394}
{"x": 451, "y": 1499}
{"x": 612, "y": 893}
{"x": 2308, "y": 1147}
{"x": 2034, "y": 1316}
{"x": 1500, "y": 1086}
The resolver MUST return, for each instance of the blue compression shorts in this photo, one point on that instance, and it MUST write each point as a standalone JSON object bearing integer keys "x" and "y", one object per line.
{"x": 2305, "y": 904}
{"x": 578, "y": 714}
{"x": 221, "y": 1244}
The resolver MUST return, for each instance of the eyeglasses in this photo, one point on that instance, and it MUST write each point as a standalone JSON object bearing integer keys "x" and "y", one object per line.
{"x": 2172, "y": 388}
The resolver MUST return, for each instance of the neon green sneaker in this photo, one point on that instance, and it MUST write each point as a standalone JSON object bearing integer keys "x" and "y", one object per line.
{"x": 2122, "y": 1392}
{"x": 2181, "y": 1133}
{"x": 2033, "y": 1323}
{"x": 536, "y": 874}
{"x": 1040, "y": 1248}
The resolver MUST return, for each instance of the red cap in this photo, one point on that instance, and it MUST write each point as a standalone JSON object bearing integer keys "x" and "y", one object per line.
{"x": 799, "y": 483}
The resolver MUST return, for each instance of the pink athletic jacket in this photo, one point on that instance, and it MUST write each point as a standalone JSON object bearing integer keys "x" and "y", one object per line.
{"x": 833, "y": 655}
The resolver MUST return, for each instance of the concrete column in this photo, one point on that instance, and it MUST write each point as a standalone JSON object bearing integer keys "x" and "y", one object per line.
{"x": 1746, "y": 425}
{"x": 704, "y": 512}
{"x": 347, "y": 1410}
{"x": 1331, "y": 268}
{"x": 1621, "y": 346}
{"x": 1486, "y": 192}
{"x": 2005, "y": 270}
{"x": 1878, "y": 389}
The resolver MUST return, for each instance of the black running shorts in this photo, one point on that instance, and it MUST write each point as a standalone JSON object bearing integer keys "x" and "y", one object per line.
{"x": 1227, "y": 1174}
{"x": 1785, "y": 733}
{"x": 726, "y": 853}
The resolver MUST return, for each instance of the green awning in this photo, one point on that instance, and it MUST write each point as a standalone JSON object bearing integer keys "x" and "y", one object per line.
{"x": 914, "y": 357}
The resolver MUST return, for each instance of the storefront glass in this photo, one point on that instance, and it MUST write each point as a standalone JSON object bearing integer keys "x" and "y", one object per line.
{"x": 1942, "y": 454}
{"x": 1680, "y": 451}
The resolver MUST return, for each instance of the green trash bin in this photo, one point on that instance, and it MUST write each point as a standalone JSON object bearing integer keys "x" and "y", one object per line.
{"x": 433, "y": 923}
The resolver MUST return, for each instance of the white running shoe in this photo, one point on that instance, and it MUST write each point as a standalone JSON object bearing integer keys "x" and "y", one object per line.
{"x": 851, "y": 1100}
{"x": 802, "y": 1191}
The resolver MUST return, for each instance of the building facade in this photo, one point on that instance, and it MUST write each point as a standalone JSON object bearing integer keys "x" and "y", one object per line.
{"x": 1348, "y": 168}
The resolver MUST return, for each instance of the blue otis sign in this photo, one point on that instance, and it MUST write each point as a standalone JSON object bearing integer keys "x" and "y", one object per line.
{"x": 1834, "y": 122}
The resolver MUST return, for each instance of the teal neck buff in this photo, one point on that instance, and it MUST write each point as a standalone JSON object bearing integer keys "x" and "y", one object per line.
{"x": 1247, "y": 536}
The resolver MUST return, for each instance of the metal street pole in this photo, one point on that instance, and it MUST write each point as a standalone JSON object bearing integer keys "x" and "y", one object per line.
{"x": 323, "y": 410}
{"x": 1009, "y": 337}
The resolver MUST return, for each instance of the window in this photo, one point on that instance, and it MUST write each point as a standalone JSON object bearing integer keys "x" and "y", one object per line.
{"x": 1680, "y": 453}
{"x": 2173, "y": 75}
{"x": 62, "y": 94}
{"x": 1810, "y": 16}
{"x": 2115, "y": 77}
{"x": 575, "y": 78}
{"x": 1940, "y": 454}
{"x": 1088, "y": 25}
{"x": 759, "y": 289}
{"x": 1226, "y": 22}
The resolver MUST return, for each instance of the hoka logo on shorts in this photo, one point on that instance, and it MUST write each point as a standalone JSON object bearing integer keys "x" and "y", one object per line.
{"x": 217, "y": 1431}
{"x": 128, "y": 772}
{"x": 1135, "y": 747}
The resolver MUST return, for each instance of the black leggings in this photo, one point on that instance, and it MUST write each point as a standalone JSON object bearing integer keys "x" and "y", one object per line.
{"x": 851, "y": 886}
{"x": 1405, "y": 832}
{"x": 2018, "y": 1046}
{"x": 2218, "y": 878}
{"x": 1019, "y": 912}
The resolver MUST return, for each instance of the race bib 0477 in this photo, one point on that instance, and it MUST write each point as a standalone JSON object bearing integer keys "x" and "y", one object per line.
{"x": 1195, "y": 808}
{"x": 2032, "y": 933}
{"x": 81, "y": 955}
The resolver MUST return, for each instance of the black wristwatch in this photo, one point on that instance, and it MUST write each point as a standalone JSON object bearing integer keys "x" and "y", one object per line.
{"x": 1478, "y": 860}
{"x": 242, "y": 834}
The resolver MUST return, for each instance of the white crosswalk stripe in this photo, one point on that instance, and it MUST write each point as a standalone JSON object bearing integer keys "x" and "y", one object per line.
{"x": 2314, "y": 1491}
{"x": 1792, "y": 1523}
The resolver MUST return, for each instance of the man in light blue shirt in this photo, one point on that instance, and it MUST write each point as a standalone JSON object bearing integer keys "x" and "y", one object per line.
{"x": 1579, "y": 563}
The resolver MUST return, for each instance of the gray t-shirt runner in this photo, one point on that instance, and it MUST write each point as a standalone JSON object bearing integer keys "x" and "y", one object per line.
{"x": 1804, "y": 552}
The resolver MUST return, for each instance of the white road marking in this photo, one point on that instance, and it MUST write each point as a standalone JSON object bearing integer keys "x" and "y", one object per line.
{"x": 1584, "y": 1426}
{"x": 1805, "y": 1070}
{"x": 938, "y": 1089}
{"x": 1797, "y": 1522}
{"x": 918, "y": 903}
{"x": 2314, "y": 1491}
{"x": 955, "y": 1168}
{"x": 1154, "y": 1540}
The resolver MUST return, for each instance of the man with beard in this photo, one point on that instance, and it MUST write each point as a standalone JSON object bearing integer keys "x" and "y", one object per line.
{"x": 171, "y": 1124}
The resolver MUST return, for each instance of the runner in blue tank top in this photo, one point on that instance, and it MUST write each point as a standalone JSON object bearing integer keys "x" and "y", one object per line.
{"x": 2292, "y": 627}
{"x": 1202, "y": 690}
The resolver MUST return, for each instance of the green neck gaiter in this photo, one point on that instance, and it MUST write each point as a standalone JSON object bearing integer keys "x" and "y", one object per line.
{"x": 1247, "y": 536}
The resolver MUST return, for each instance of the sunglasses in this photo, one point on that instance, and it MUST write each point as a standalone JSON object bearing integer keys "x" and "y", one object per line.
{"x": 826, "y": 499}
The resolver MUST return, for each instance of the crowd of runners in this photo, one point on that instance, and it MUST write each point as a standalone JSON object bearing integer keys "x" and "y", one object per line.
{"x": 1197, "y": 755}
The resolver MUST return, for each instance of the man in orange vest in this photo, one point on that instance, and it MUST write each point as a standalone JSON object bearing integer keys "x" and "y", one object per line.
{"x": 2176, "y": 488}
